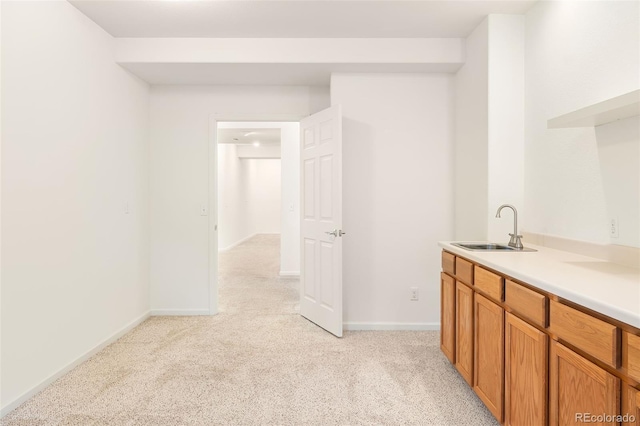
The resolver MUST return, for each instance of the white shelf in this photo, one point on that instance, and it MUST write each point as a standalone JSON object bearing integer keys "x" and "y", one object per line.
{"x": 618, "y": 108}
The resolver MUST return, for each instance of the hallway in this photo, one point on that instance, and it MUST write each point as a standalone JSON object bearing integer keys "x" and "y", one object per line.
{"x": 258, "y": 363}
{"x": 249, "y": 279}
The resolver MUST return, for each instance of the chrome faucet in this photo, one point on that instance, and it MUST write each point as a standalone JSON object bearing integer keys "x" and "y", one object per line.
{"x": 515, "y": 240}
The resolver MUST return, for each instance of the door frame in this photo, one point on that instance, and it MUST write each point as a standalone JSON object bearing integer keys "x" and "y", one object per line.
{"x": 212, "y": 193}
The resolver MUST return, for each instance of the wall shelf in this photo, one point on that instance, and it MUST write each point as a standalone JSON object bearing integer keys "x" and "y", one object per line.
{"x": 618, "y": 108}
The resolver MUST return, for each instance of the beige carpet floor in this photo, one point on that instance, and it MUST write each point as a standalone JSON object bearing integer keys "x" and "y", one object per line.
{"x": 258, "y": 363}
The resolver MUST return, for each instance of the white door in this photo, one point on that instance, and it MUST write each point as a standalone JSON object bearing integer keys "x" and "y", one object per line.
{"x": 321, "y": 219}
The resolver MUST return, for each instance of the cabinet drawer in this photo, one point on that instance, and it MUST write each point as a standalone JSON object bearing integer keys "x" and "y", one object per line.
{"x": 464, "y": 271}
{"x": 527, "y": 303}
{"x": 448, "y": 263}
{"x": 488, "y": 282}
{"x": 631, "y": 357}
{"x": 595, "y": 337}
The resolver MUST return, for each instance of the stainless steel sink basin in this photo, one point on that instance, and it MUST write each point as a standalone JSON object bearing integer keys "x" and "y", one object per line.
{"x": 488, "y": 247}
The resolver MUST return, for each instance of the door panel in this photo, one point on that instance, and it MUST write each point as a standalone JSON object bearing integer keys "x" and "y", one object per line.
{"x": 448, "y": 316}
{"x": 526, "y": 349}
{"x": 488, "y": 366}
{"x": 321, "y": 266}
{"x": 579, "y": 387}
{"x": 464, "y": 332}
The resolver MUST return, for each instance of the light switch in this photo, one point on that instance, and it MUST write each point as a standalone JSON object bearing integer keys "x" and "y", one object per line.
{"x": 204, "y": 210}
{"x": 291, "y": 207}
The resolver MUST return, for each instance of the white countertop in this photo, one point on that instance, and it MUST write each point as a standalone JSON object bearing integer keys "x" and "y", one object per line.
{"x": 605, "y": 287}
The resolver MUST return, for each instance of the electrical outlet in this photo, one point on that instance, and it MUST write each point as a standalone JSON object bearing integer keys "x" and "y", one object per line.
{"x": 614, "y": 232}
{"x": 414, "y": 293}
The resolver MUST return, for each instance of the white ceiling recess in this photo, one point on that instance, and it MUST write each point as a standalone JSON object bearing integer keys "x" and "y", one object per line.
{"x": 265, "y": 74}
{"x": 251, "y": 142}
{"x": 249, "y": 136}
{"x": 304, "y": 62}
{"x": 294, "y": 18}
{"x": 288, "y": 42}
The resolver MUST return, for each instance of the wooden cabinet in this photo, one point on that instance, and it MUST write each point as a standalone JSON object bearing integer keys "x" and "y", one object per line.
{"x": 489, "y": 283}
{"x": 630, "y": 406}
{"x": 448, "y": 263}
{"x": 532, "y": 357}
{"x": 595, "y": 337}
{"x": 525, "y": 397}
{"x": 464, "y": 271}
{"x": 631, "y": 355}
{"x": 464, "y": 332}
{"x": 489, "y": 354}
{"x": 527, "y": 303}
{"x": 578, "y": 387}
{"x": 448, "y": 316}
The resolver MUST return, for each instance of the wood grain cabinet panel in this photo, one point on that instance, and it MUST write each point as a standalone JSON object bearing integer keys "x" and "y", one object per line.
{"x": 631, "y": 355}
{"x": 464, "y": 332}
{"x": 595, "y": 337}
{"x": 527, "y": 303}
{"x": 488, "y": 365}
{"x": 525, "y": 394}
{"x": 489, "y": 283}
{"x": 464, "y": 271}
{"x": 578, "y": 387}
{"x": 448, "y": 263}
{"x": 630, "y": 406}
{"x": 448, "y": 317}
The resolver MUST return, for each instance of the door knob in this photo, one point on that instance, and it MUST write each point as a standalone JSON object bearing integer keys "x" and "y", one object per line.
{"x": 334, "y": 232}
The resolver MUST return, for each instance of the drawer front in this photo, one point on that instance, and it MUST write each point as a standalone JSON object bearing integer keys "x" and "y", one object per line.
{"x": 595, "y": 337}
{"x": 632, "y": 352}
{"x": 464, "y": 271}
{"x": 448, "y": 263}
{"x": 488, "y": 282}
{"x": 527, "y": 303}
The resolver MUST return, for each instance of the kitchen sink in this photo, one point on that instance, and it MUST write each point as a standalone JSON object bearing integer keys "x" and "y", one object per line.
{"x": 488, "y": 247}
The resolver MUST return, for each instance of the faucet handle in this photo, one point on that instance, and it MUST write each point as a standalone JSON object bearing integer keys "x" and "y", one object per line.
{"x": 516, "y": 241}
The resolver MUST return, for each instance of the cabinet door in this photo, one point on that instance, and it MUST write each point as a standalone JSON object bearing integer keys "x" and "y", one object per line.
{"x": 578, "y": 388}
{"x": 464, "y": 331}
{"x": 489, "y": 354}
{"x": 448, "y": 316}
{"x": 630, "y": 406}
{"x": 525, "y": 399}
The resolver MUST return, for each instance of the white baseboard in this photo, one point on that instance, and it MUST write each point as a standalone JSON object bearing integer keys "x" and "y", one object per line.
{"x": 64, "y": 370}
{"x": 290, "y": 274}
{"x": 179, "y": 312}
{"x": 237, "y": 243}
{"x": 383, "y": 326}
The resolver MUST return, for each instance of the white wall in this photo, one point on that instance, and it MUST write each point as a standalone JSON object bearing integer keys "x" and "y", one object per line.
{"x": 179, "y": 184}
{"x": 249, "y": 198}
{"x": 74, "y": 152}
{"x": 472, "y": 138}
{"x": 577, "y": 54}
{"x": 290, "y": 193}
{"x": 505, "y": 154}
{"x": 264, "y": 195}
{"x": 233, "y": 214}
{"x": 397, "y": 193}
{"x": 490, "y": 130}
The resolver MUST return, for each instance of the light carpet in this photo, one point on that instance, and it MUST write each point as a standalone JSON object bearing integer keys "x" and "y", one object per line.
{"x": 258, "y": 363}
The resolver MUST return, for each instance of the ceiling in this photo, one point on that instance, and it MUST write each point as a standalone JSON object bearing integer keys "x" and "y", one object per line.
{"x": 266, "y": 137}
{"x": 294, "y": 18}
{"x": 266, "y": 74}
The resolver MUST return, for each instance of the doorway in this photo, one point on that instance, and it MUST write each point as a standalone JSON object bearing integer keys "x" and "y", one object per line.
{"x": 258, "y": 224}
